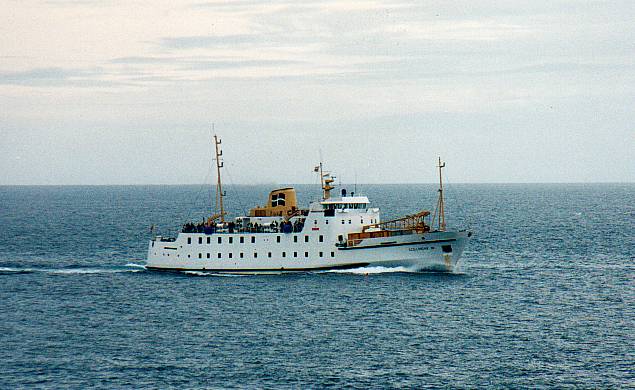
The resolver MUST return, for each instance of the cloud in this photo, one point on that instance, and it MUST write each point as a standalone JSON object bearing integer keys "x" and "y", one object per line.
{"x": 59, "y": 77}
{"x": 205, "y": 41}
{"x": 192, "y": 63}
{"x": 46, "y": 76}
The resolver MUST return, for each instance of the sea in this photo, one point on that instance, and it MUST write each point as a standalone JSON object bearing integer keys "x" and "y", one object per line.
{"x": 544, "y": 297}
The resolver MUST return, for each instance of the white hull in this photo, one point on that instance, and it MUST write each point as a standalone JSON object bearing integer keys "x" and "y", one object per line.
{"x": 304, "y": 251}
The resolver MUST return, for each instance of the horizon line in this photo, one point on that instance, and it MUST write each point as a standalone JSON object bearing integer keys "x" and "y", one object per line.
{"x": 302, "y": 184}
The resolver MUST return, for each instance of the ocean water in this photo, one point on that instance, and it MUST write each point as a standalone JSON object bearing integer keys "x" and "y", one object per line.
{"x": 545, "y": 296}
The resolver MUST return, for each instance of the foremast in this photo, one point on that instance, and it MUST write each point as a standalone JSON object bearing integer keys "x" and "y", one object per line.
{"x": 219, "y": 186}
{"x": 439, "y": 212}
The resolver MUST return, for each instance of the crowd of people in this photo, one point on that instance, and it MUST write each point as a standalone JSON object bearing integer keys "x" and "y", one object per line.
{"x": 231, "y": 227}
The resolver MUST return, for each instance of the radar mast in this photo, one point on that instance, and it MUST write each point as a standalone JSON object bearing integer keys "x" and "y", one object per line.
{"x": 326, "y": 180}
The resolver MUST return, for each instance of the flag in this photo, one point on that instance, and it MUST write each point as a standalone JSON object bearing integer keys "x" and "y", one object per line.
{"x": 316, "y": 169}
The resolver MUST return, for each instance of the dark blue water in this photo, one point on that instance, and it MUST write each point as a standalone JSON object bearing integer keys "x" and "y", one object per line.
{"x": 545, "y": 297}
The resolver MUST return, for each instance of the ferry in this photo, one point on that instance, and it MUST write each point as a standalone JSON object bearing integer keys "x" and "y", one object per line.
{"x": 334, "y": 232}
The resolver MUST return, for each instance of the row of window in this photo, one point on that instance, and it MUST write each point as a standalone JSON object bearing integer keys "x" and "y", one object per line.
{"x": 372, "y": 221}
{"x": 219, "y": 239}
{"x": 342, "y": 206}
{"x": 230, "y": 255}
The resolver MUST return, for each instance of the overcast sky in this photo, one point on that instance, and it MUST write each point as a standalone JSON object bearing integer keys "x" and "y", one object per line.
{"x": 125, "y": 92}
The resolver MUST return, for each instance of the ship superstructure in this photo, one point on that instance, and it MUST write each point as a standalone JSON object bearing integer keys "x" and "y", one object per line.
{"x": 332, "y": 233}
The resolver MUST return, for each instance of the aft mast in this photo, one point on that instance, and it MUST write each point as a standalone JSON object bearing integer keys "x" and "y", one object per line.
{"x": 219, "y": 186}
{"x": 440, "y": 203}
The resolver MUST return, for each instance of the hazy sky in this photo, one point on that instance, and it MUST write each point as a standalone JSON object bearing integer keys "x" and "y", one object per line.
{"x": 125, "y": 92}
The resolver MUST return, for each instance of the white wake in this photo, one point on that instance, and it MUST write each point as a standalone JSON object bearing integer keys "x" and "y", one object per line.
{"x": 371, "y": 270}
